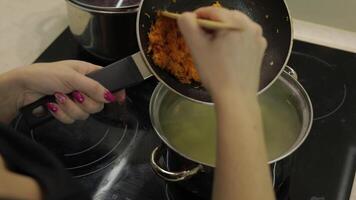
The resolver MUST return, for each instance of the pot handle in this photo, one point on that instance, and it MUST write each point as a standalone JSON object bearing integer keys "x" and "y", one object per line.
{"x": 118, "y": 75}
{"x": 168, "y": 175}
{"x": 291, "y": 72}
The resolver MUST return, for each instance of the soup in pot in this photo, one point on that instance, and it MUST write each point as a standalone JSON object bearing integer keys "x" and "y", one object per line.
{"x": 190, "y": 128}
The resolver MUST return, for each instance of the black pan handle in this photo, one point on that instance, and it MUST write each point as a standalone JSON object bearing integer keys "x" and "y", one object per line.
{"x": 118, "y": 75}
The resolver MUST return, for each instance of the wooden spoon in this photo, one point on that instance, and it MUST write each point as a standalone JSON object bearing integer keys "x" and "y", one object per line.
{"x": 209, "y": 24}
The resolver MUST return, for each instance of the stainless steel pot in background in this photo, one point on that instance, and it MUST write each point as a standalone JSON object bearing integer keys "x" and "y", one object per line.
{"x": 105, "y": 28}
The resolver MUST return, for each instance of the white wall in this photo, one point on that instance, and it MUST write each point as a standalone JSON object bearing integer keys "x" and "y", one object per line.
{"x": 336, "y": 13}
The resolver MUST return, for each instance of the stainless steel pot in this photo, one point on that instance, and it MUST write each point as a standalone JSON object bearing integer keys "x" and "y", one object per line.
{"x": 296, "y": 94}
{"x": 105, "y": 28}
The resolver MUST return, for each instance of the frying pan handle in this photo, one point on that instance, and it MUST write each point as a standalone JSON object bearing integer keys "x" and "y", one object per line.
{"x": 291, "y": 72}
{"x": 118, "y": 75}
{"x": 168, "y": 175}
{"x": 32, "y": 119}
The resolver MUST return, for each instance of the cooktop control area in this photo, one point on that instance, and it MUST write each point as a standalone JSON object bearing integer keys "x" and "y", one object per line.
{"x": 109, "y": 154}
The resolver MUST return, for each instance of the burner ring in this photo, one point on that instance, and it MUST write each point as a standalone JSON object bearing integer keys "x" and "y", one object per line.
{"x": 322, "y": 81}
{"x": 337, "y": 108}
{"x": 104, "y": 156}
{"x": 87, "y": 147}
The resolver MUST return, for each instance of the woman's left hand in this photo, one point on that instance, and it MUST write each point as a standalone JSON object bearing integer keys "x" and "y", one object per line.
{"x": 25, "y": 85}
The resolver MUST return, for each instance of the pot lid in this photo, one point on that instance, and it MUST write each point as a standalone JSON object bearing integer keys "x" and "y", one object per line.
{"x": 107, "y": 5}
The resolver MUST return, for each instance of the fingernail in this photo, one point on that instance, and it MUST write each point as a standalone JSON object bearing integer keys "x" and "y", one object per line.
{"x": 78, "y": 96}
{"x": 109, "y": 97}
{"x": 60, "y": 97}
{"x": 52, "y": 107}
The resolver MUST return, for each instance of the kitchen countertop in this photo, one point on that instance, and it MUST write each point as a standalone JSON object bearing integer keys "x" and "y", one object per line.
{"x": 27, "y": 27}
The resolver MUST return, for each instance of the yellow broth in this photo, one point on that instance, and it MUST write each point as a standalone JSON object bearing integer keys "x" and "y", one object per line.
{"x": 190, "y": 128}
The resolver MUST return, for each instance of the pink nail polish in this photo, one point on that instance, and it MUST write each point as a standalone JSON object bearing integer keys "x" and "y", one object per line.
{"x": 78, "y": 96}
{"x": 60, "y": 97}
{"x": 109, "y": 97}
{"x": 52, "y": 107}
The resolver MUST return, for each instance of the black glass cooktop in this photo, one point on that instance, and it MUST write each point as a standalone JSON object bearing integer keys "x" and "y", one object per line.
{"x": 109, "y": 153}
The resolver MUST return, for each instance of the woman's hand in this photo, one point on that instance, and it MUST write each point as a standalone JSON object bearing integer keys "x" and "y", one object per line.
{"x": 25, "y": 85}
{"x": 229, "y": 64}
{"x": 227, "y": 61}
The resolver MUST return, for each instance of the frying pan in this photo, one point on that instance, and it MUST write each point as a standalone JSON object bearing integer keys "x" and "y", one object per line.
{"x": 272, "y": 15}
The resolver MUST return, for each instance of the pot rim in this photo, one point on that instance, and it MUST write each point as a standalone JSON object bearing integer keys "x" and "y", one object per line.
{"x": 102, "y": 10}
{"x": 299, "y": 141}
{"x": 310, "y": 122}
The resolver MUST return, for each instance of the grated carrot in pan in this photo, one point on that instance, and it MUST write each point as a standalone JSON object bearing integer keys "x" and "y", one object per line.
{"x": 169, "y": 51}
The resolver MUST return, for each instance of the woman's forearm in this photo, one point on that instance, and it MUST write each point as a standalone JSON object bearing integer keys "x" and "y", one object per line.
{"x": 242, "y": 171}
{"x": 16, "y": 186}
{"x": 9, "y": 95}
